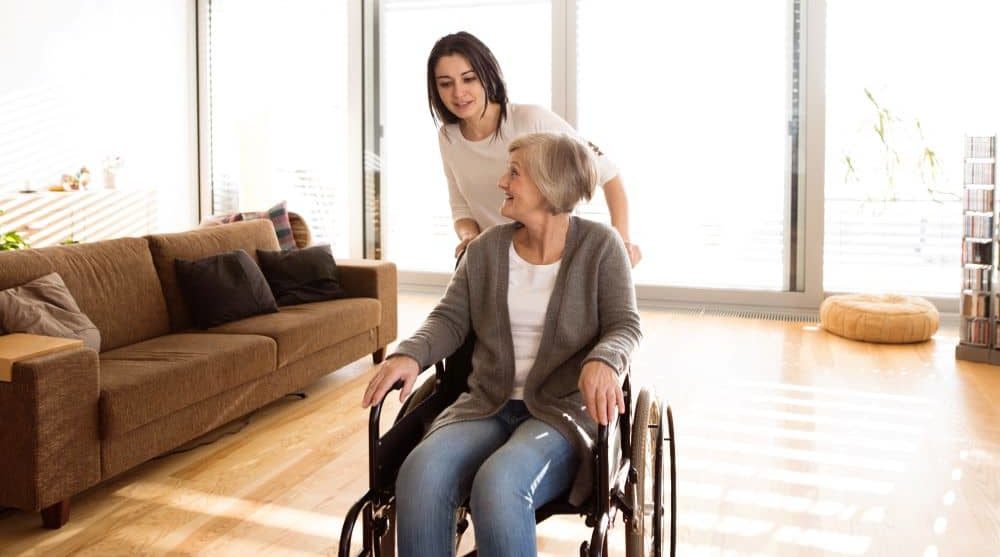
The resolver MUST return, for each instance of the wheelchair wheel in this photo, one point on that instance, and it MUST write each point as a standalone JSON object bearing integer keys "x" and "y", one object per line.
{"x": 644, "y": 535}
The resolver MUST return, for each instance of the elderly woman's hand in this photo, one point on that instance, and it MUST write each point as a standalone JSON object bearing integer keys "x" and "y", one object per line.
{"x": 601, "y": 392}
{"x": 388, "y": 372}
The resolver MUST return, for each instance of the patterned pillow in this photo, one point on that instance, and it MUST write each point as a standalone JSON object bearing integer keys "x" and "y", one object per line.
{"x": 279, "y": 218}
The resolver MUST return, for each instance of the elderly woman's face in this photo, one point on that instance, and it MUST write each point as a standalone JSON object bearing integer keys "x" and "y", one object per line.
{"x": 521, "y": 194}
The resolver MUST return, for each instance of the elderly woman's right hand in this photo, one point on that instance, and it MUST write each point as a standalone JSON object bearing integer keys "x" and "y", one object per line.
{"x": 388, "y": 372}
{"x": 602, "y": 394}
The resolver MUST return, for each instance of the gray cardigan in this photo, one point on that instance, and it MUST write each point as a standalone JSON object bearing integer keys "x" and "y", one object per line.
{"x": 591, "y": 316}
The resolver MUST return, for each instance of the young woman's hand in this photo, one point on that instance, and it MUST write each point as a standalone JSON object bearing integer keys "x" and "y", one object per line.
{"x": 388, "y": 372}
{"x": 601, "y": 392}
{"x": 467, "y": 230}
{"x": 634, "y": 253}
{"x": 463, "y": 244}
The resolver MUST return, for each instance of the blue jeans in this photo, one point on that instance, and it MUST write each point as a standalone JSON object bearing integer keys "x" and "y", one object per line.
{"x": 508, "y": 465}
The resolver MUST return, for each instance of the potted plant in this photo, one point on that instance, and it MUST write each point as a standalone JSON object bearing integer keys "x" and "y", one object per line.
{"x": 898, "y": 149}
{"x": 12, "y": 240}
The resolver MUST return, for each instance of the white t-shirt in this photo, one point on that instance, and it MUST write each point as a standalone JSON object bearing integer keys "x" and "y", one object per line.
{"x": 473, "y": 168}
{"x": 528, "y": 292}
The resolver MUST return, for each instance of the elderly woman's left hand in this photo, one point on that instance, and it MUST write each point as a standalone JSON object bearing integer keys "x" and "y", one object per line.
{"x": 601, "y": 392}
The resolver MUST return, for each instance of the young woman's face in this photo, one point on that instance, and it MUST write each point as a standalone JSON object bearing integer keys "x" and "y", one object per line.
{"x": 522, "y": 196}
{"x": 459, "y": 87}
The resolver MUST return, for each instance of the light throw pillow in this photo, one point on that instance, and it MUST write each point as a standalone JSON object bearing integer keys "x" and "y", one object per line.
{"x": 301, "y": 276}
{"x": 45, "y": 306}
{"x": 223, "y": 288}
{"x": 278, "y": 215}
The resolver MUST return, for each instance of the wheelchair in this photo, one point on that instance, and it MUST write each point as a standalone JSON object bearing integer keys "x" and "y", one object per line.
{"x": 630, "y": 454}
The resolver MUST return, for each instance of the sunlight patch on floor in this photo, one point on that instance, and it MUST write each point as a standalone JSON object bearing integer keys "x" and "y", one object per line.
{"x": 265, "y": 514}
{"x": 833, "y": 542}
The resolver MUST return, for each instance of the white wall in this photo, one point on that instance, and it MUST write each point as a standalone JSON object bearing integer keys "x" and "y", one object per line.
{"x": 81, "y": 80}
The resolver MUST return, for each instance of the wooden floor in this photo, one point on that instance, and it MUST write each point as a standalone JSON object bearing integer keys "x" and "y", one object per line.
{"x": 791, "y": 442}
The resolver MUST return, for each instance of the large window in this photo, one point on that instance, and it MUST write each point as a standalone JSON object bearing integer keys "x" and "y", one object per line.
{"x": 905, "y": 82}
{"x": 109, "y": 86}
{"x": 418, "y": 233}
{"x": 699, "y": 127}
{"x": 693, "y": 104}
{"x": 726, "y": 119}
{"x": 279, "y": 125}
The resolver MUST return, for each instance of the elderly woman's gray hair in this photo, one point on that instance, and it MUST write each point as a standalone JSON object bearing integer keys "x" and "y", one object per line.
{"x": 563, "y": 168}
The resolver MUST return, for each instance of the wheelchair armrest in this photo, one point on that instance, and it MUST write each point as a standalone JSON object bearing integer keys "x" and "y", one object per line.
{"x": 602, "y": 468}
{"x": 376, "y": 412}
{"x": 603, "y": 431}
{"x": 374, "y": 419}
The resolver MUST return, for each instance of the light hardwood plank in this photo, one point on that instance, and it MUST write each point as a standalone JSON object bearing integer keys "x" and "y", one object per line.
{"x": 791, "y": 442}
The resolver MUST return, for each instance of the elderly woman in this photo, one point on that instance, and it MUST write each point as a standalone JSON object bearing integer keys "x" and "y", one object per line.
{"x": 550, "y": 300}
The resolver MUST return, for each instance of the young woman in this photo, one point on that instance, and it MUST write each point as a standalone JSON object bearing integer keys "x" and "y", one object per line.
{"x": 467, "y": 95}
{"x": 523, "y": 433}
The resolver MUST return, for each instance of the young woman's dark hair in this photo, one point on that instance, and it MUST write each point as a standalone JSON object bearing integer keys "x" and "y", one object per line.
{"x": 483, "y": 63}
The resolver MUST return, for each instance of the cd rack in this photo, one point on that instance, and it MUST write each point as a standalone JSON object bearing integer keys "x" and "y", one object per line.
{"x": 979, "y": 309}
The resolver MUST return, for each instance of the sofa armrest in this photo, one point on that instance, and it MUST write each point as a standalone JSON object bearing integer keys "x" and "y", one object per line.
{"x": 49, "y": 438}
{"x": 369, "y": 278}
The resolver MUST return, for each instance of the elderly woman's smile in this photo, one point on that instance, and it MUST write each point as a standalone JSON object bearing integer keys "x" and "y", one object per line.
{"x": 521, "y": 194}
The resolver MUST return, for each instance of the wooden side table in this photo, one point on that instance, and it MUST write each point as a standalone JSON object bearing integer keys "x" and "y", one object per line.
{"x": 21, "y": 346}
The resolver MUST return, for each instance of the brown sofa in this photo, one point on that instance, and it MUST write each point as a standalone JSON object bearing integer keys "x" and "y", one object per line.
{"x": 75, "y": 418}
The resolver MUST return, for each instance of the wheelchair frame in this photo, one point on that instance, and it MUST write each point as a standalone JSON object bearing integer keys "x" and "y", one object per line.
{"x": 376, "y": 507}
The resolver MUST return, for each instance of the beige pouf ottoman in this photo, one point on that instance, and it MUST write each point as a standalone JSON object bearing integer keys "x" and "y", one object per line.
{"x": 889, "y": 318}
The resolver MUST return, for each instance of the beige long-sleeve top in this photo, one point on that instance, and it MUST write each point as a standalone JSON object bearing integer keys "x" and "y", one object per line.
{"x": 591, "y": 315}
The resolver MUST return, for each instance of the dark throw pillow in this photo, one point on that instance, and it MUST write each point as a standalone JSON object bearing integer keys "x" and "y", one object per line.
{"x": 223, "y": 288}
{"x": 44, "y": 306}
{"x": 302, "y": 276}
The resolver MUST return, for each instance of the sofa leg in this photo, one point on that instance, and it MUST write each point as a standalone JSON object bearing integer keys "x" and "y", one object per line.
{"x": 378, "y": 355}
{"x": 55, "y": 516}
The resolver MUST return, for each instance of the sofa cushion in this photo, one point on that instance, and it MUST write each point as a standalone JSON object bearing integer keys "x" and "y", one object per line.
{"x": 44, "y": 306}
{"x": 306, "y": 329}
{"x": 223, "y": 288}
{"x": 114, "y": 282}
{"x": 152, "y": 379}
{"x": 195, "y": 244}
{"x": 301, "y": 276}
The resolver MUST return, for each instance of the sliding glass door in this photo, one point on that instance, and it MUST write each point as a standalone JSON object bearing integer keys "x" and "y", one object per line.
{"x": 906, "y": 81}
{"x": 279, "y": 124}
{"x": 695, "y": 106}
{"x": 698, "y": 110}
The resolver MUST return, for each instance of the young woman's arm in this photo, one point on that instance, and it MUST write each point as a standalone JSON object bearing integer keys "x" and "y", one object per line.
{"x": 614, "y": 189}
{"x": 466, "y": 227}
{"x": 614, "y": 194}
